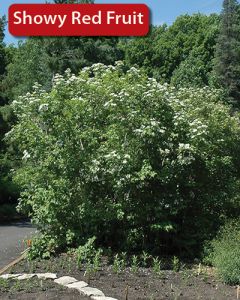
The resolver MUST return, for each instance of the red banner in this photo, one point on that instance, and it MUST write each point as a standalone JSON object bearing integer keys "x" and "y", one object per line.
{"x": 78, "y": 19}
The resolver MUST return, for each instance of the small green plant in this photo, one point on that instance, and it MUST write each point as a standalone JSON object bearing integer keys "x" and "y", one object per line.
{"x": 117, "y": 264}
{"x": 69, "y": 264}
{"x": 205, "y": 277}
{"x": 17, "y": 286}
{"x": 89, "y": 270}
{"x": 62, "y": 264}
{"x": 4, "y": 284}
{"x": 135, "y": 264}
{"x": 199, "y": 271}
{"x": 186, "y": 275}
{"x": 145, "y": 258}
{"x": 29, "y": 284}
{"x": 97, "y": 260}
{"x": 40, "y": 248}
{"x": 176, "y": 264}
{"x": 41, "y": 285}
{"x": 32, "y": 266}
{"x": 49, "y": 266}
{"x": 157, "y": 265}
{"x": 85, "y": 252}
{"x": 123, "y": 260}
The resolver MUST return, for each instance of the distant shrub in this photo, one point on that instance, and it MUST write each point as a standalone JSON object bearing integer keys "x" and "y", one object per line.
{"x": 117, "y": 155}
{"x": 225, "y": 255}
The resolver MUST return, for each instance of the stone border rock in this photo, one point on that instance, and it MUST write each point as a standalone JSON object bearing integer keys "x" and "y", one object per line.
{"x": 67, "y": 281}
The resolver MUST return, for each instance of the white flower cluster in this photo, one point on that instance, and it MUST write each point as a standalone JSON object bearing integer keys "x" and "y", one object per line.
{"x": 26, "y": 155}
{"x": 43, "y": 107}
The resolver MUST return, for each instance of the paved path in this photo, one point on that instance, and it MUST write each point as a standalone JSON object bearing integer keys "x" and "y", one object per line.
{"x": 11, "y": 240}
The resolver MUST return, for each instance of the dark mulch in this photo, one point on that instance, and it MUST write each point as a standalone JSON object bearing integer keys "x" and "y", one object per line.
{"x": 35, "y": 289}
{"x": 143, "y": 285}
{"x": 50, "y": 295}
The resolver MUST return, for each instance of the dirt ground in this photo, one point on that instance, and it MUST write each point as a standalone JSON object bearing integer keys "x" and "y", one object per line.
{"x": 35, "y": 289}
{"x": 52, "y": 294}
{"x": 140, "y": 285}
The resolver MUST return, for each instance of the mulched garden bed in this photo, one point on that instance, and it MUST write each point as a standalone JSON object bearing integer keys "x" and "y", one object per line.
{"x": 36, "y": 289}
{"x": 142, "y": 285}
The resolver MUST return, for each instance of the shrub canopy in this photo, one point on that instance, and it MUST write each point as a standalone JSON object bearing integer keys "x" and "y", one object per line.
{"x": 225, "y": 255}
{"x": 117, "y": 155}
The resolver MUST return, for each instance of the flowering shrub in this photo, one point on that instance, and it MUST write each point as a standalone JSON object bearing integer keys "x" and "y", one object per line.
{"x": 116, "y": 155}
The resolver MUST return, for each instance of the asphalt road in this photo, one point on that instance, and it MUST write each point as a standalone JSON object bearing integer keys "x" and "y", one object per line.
{"x": 13, "y": 241}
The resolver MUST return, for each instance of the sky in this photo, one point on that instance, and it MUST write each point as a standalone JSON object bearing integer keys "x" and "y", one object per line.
{"x": 163, "y": 11}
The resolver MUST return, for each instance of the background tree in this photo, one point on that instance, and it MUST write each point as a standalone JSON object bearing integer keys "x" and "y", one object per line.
{"x": 196, "y": 69}
{"x": 73, "y": 1}
{"x": 3, "y": 125}
{"x": 183, "y": 51}
{"x": 78, "y": 52}
{"x": 140, "y": 51}
{"x": 38, "y": 59}
{"x": 227, "y": 61}
{"x": 7, "y": 190}
{"x": 2, "y": 47}
{"x": 167, "y": 48}
{"x": 28, "y": 65}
